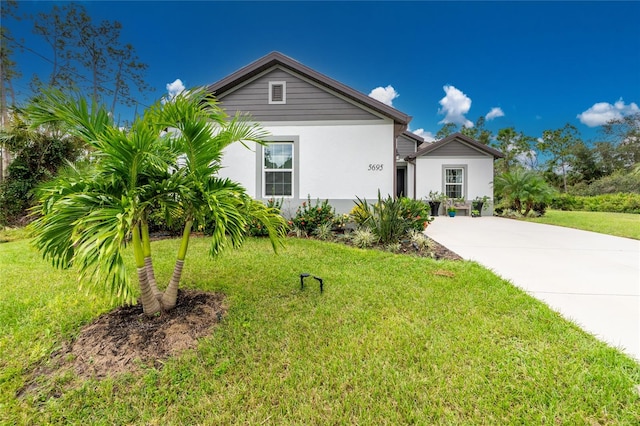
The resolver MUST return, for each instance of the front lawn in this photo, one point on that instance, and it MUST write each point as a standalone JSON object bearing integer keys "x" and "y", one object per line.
{"x": 618, "y": 224}
{"x": 394, "y": 339}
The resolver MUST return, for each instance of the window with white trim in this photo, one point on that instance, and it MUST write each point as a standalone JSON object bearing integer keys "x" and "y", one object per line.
{"x": 277, "y": 92}
{"x": 454, "y": 182}
{"x": 278, "y": 169}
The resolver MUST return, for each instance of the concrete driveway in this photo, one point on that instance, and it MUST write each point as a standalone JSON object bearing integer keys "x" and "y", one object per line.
{"x": 591, "y": 279}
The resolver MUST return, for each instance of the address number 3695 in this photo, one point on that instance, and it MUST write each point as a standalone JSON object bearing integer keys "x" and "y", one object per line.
{"x": 375, "y": 167}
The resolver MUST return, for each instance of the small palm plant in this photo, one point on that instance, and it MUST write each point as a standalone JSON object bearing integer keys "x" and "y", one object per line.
{"x": 169, "y": 158}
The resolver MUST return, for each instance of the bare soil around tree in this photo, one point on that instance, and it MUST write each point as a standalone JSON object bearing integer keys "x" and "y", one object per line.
{"x": 126, "y": 340}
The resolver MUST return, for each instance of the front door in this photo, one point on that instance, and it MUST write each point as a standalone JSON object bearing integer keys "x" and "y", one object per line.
{"x": 401, "y": 179}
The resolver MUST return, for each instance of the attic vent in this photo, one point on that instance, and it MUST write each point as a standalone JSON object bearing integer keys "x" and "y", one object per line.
{"x": 277, "y": 92}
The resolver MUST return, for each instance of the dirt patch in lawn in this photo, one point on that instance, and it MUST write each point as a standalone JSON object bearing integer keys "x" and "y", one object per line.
{"x": 125, "y": 339}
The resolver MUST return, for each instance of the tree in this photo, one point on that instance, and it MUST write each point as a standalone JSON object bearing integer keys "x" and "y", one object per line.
{"x": 8, "y": 71}
{"x": 521, "y": 189}
{"x": 516, "y": 148}
{"x": 560, "y": 145}
{"x": 170, "y": 157}
{"x": 624, "y": 133}
{"x": 89, "y": 55}
{"x": 478, "y": 132}
{"x": 446, "y": 130}
{"x": 38, "y": 153}
{"x": 57, "y": 30}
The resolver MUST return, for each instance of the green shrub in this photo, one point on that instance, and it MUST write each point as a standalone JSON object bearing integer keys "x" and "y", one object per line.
{"x": 616, "y": 183}
{"x": 615, "y": 203}
{"x": 362, "y": 237}
{"x": 309, "y": 217}
{"x": 391, "y": 219}
{"x": 416, "y": 213}
{"x": 360, "y": 213}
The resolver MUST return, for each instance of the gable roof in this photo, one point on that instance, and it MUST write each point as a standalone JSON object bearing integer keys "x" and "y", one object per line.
{"x": 413, "y": 137}
{"x": 276, "y": 58}
{"x": 429, "y": 147}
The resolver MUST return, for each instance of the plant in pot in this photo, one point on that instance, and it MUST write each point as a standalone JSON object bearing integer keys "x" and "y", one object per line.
{"x": 451, "y": 211}
{"x": 480, "y": 204}
{"x": 435, "y": 199}
{"x": 475, "y": 213}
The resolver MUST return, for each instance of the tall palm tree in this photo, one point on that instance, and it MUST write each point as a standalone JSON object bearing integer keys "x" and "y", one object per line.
{"x": 169, "y": 158}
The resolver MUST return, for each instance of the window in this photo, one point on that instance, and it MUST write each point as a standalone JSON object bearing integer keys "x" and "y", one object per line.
{"x": 278, "y": 169}
{"x": 454, "y": 182}
{"x": 277, "y": 92}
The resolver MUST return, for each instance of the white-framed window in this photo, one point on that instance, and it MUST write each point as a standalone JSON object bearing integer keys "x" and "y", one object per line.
{"x": 277, "y": 178}
{"x": 454, "y": 182}
{"x": 277, "y": 92}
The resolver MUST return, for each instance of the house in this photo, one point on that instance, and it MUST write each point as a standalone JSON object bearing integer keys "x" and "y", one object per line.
{"x": 328, "y": 141}
{"x": 458, "y": 166}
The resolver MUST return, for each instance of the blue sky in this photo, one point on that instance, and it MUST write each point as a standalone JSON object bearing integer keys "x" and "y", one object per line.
{"x": 536, "y": 65}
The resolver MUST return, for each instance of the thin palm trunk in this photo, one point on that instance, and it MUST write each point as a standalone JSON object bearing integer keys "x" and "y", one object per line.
{"x": 170, "y": 295}
{"x": 148, "y": 264}
{"x": 150, "y": 304}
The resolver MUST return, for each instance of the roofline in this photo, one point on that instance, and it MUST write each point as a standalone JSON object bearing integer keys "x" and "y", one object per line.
{"x": 277, "y": 58}
{"x": 413, "y": 136}
{"x": 474, "y": 143}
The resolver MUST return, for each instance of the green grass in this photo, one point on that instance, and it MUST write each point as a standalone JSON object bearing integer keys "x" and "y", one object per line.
{"x": 9, "y": 234}
{"x": 618, "y": 224}
{"x": 393, "y": 340}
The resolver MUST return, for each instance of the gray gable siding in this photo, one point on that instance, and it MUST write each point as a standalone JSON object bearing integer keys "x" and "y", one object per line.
{"x": 405, "y": 146}
{"x": 305, "y": 102}
{"x": 455, "y": 149}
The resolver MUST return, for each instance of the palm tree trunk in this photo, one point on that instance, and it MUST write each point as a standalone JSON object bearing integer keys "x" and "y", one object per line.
{"x": 148, "y": 264}
{"x": 150, "y": 304}
{"x": 170, "y": 295}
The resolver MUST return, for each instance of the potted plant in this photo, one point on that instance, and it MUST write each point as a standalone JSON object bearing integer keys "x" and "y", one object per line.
{"x": 475, "y": 213}
{"x": 451, "y": 211}
{"x": 480, "y": 203}
{"x": 435, "y": 199}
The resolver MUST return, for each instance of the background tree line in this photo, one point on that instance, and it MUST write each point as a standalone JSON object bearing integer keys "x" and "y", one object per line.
{"x": 84, "y": 56}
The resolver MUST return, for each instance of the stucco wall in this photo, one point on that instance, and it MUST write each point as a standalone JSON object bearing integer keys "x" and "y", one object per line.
{"x": 479, "y": 179}
{"x": 333, "y": 161}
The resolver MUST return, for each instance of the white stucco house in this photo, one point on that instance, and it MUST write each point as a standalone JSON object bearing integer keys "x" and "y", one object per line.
{"x": 329, "y": 141}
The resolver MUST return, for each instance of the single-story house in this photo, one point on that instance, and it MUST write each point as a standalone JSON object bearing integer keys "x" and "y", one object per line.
{"x": 329, "y": 141}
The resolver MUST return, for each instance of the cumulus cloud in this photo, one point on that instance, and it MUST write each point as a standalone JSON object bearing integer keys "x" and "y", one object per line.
{"x": 386, "y": 95}
{"x": 494, "y": 113}
{"x": 455, "y": 105}
{"x": 427, "y": 136}
{"x": 603, "y": 112}
{"x": 175, "y": 88}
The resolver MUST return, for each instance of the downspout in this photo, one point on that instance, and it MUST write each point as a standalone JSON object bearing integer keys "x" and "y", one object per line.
{"x": 398, "y": 128}
{"x": 413, "y": 163}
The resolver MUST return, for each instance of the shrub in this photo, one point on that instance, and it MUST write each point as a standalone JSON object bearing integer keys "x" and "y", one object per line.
{"x": 416, "y": 213}
{"x": 324, "y": 231}
{"x": 615, "y": 203}
{"x": 362, "y": 237}
{"x": 391, "y": 219}
{"x": 309, "y": 217}
{"x": 616, "y": 183}
{"x": 360, "y": 213}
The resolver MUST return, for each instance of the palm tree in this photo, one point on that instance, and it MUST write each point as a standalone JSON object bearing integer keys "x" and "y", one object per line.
{"x": 522, "y": 188}
{"x": 169, "y": 158}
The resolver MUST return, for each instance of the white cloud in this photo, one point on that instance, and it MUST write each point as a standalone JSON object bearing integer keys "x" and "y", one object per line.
{"x": 603, "y": 112}
{"x": 386, "y": 95}
{"x": 427, "y": 136}
{"x": 175, "y": 88}
{"x": 454, "y": 106}
{"x": 494, "y": 113}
